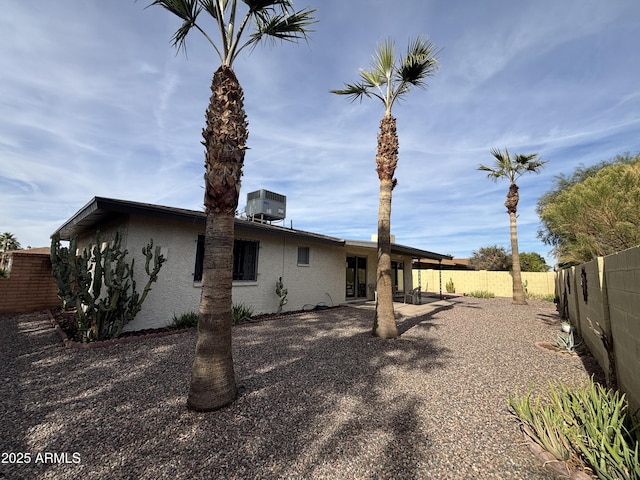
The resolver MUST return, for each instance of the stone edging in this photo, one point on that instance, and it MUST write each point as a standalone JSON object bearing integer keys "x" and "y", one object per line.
{"x": 68, "y": 343}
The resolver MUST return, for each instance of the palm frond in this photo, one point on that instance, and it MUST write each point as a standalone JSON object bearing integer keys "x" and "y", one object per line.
{"x": 512, "y": 168}
{"x": 373, "y": 79}
{"x": 188, "y": 11}
{"x": 261, "y": 5}
{"x": 355, "y": 91}
{"x": 285, "y": 26}
{"x": 211, "y": 7}
{"x": 420, "y": 62}
{"x": 383, "y": 60}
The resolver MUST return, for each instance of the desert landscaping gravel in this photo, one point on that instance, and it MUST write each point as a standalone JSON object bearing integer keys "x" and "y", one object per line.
{"x": 320, "y": 399}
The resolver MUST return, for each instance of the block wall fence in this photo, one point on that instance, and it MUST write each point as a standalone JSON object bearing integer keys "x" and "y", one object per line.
{"x": 498, "y": 283}
{"x": 30, "y": 286}
{"x": 601, "y": 298}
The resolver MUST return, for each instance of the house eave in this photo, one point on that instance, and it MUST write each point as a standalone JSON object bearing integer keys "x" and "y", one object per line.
{"x": 398, "y": 249}
{"x": 101, "y": 209}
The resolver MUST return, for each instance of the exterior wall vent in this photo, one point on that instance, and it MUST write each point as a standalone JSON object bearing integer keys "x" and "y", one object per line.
{"x": 266, "y": 205}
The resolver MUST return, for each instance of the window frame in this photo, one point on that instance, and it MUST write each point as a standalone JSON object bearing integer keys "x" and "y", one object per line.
{"x": 308, "y": 256}
{"x": 252, "y": 274}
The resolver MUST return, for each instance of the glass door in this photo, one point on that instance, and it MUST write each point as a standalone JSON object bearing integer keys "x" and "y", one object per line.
{"x": 356, "y": 278}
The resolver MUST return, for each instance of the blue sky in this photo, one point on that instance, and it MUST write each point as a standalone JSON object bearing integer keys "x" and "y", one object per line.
{"x": 95, "y": 102}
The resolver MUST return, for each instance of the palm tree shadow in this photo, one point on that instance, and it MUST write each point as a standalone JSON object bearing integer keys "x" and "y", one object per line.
{"x": 411, "y": 322}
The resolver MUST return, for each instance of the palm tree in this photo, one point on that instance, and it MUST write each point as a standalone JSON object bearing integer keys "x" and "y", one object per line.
{"x": 8, "y": 241}
{"x": 511, "y": 169}
{"x": 225, "y": 135}
{"x": 388, "y": 80}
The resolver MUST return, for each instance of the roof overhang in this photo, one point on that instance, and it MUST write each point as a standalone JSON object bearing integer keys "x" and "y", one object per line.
{"x": 398, "y": 249}
{"x": 101, "y": 210}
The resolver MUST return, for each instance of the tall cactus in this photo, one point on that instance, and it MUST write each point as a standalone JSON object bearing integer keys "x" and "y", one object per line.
{"x": 100, "y": 284}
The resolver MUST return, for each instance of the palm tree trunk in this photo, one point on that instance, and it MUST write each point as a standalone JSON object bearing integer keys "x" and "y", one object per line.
{"x": 212, "y": 375}
{"x": 513, "y": 197}
{"x": 518, "y": 290}
{"x": 384, "y": 324}
{"x": 225, "y": 134}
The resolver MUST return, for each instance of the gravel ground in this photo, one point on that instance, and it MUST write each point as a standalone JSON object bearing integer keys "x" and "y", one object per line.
{"x": 322, "y": 399}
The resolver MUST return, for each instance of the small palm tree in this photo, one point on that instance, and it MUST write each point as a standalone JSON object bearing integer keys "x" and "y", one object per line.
{"x": 225, "y": 139}
{"x": 511, "y": 169}
{"x": 389, "y": 79}
{"x": 8, "y": 241}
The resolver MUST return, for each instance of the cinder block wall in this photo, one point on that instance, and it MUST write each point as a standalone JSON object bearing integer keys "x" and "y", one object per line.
{"x": 498, "y": 283}
{"x": 606, "y": 298}
{"x": 622, "y": 278}
{"x": 30, "y": 286}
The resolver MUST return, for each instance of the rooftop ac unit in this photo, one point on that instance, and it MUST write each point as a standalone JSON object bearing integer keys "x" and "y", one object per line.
{"x": 266, "y": 205}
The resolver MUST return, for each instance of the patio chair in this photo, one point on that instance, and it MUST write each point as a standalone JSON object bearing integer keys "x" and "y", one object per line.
{"x": 413, "y": 297}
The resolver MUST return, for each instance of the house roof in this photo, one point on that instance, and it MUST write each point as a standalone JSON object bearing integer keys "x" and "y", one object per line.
{"x": 448, "y": 263}
{"x": 101, "y": 209}
{"x": 401, "y": 250}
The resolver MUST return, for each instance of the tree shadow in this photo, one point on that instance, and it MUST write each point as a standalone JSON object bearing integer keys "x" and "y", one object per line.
{"x": 410, "y": 322}
{"x": 314, "y": 385}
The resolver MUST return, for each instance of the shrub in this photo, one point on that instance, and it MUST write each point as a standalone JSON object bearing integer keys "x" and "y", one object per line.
{"x": 241, "y": 312}
{"x": 186, "y": 320}
{"x": 481, "y": 294}
{"x": 450, "y": 286}
{"x": 589, "y": 424}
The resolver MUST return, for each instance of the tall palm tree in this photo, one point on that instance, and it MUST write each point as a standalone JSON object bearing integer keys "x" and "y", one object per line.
{"x": 511, "y": 169}
{"x": 388, "y": 80}
{"x": 225, "y": 135}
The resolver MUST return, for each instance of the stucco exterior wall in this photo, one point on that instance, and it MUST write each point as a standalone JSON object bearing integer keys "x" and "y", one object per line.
{"x": 175, "y": 291}
{"x": 321, "y": 282}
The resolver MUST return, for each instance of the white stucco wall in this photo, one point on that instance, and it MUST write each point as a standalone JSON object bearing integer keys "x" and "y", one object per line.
{"x": 174, "y": 292}
{"x": 321, "y": 282}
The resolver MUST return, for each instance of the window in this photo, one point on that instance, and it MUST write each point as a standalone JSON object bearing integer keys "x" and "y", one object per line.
{"x": 197, "y": 274}
{"x": 303, "y": 255}
{"x": 245, "y": 260}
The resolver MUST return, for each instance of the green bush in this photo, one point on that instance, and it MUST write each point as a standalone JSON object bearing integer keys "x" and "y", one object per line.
{"x": 450, "y": 286}
{"x": 550, "y": 297}
{"x": 481, "y": 294}
{"x": 241, "y": 312}
{"x": 186, "y": 320}
{"x": 589, "y": 424}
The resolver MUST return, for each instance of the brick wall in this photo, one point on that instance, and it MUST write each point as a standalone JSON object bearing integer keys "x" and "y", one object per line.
{"x": 30, "y": 286}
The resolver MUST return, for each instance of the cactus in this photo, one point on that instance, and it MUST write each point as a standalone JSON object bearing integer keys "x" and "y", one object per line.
{"x": 282, "y": 294}
{"x": 100, "y": 284}
{"x": 450, "y": 287}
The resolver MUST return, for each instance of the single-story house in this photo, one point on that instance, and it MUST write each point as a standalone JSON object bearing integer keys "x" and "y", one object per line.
{"x": 315, "y": 269}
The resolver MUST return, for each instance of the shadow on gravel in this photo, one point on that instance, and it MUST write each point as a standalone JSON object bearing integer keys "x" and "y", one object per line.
{"x": 409, "y": 323}
{"x": 317, "y": 390}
